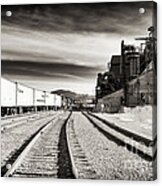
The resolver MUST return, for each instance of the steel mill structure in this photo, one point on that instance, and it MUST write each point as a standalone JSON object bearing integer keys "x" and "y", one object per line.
{"x": 131, "y": 77}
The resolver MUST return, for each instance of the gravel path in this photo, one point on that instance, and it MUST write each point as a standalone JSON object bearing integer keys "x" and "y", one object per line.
{"x": 108, "y": 159}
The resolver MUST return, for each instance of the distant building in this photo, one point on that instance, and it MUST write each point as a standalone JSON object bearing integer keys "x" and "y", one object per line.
{"x": 129, "y": 78}
{"x": 132, "y": 65}
{"x": 115, "y": 66}
{"x": 113, "y": 79}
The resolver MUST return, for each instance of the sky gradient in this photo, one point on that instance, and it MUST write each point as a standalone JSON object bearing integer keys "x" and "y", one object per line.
{"x": 64, "y": 46}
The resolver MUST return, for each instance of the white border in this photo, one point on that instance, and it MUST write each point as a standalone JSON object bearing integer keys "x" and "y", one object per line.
{"x": 53, "y": 182}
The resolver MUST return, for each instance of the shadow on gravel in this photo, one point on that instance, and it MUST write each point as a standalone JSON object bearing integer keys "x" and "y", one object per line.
{"x": 127, "y": 133}
{"x": 64, "y": 161}
{"x": 121, "y": 142}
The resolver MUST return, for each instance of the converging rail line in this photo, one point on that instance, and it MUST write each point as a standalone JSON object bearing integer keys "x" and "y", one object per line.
{"x": 123, "y": 138}
{"x": 10, "y": 123}
{"x": 127, "y": 133}
{"x": 14, "y": 161}
{"x": 55, "y": 149}
{"x": 81, "y": 167}
{"x": 45, "y": 154}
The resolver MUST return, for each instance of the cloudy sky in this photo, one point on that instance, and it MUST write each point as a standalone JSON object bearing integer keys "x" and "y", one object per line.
{"x": 64, "y": 46}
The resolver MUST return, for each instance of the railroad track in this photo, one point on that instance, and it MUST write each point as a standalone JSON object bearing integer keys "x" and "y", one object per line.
{"x": 45, "y": 154}
{"x": 14, "y": 157}
{"x": 12, "y": 138}
{"x": 54, "y": 151}
{"x": 82, "y": 169}
{"x": 130, "y": 141}
{"x": 22, "y": 120}
{"x": 127, "y": 133}
{"x": 18, "y": 116}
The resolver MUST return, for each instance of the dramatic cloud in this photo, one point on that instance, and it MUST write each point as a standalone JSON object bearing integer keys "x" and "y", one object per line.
{"x": 59, "y": 71}
{"x": 98, "y": 17}
{"x": 66, "y": 45}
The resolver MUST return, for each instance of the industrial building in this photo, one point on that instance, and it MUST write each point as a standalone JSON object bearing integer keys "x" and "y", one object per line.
{"x": 124, "y": 72}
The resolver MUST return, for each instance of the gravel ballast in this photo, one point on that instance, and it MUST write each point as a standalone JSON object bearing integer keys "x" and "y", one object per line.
{"x": 13, "y": 138}
{"x": 108, "y": 159}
